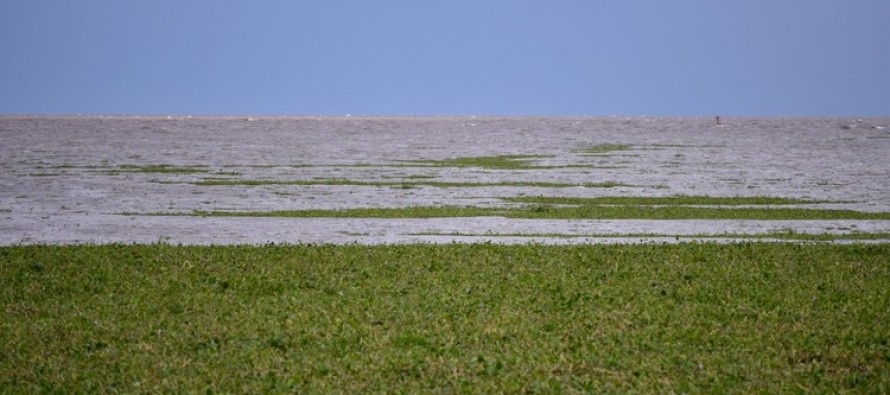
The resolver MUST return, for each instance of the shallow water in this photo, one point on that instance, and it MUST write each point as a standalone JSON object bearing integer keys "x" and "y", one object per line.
{"x": 65, "y": 179}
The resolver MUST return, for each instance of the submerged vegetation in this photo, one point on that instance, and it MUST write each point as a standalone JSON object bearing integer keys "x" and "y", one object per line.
{"x": 693, "y": 318}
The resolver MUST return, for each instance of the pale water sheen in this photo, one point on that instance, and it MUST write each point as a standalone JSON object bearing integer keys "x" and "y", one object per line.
{"x": 65, "y": 179}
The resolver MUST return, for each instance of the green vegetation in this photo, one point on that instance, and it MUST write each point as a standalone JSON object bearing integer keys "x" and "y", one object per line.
{"x": 543, "y": 212}
{"x": 666, "y": 200}
{"x": 680, "y": 207}
{"x": 45, "y": 174}
{"x": 508, "y": 162}
{"x": 411, "y": 182}
{"x": 781, "y": 235}
{"x": 400, "y": 212}
{"x": 686, "y": 318}
{"x": 686, "y": 146}
{"x": 499, "y": 162}
{"x": 420, "y": 177}
{"x": 167, "y": 169}
{"x": 605, "y": 148}
{"x": 792, "y": 235}
{"x": 661, "y": 208}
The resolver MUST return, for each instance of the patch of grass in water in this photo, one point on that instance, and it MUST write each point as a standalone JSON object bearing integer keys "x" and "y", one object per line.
{"x": 407, "y": 183}
{"x": 400, "y": 212}
{"x": 501, "y": 162}
{"x": 682, "y": 207}
{"x": 656, "y": 208}
{"x": 46, "y": 174}
{"x": 709, "y": 318}
{"x": 691, "y": 212}
{"x": 604, "y": 148}
{"x": 165, "y": 169}
{"x": 686, "y": 146}
{"x": 420, "y": 177}
{"x": 666, "y": 201}
{"x": 546, "y": 211}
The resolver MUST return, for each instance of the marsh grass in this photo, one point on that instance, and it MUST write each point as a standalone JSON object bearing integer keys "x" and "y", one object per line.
{"x": 686, "y": 318}
{"x": 604, "y": 148}
{"x": 542, "y": 212}
{"x": 666, "y": 200}
{"x": 162, "y": 168}
{"x": 420, "y": 177}
{"x": 794, "y": 235}
{"x": 410, "y": 182}
{"x": 656, "y": 208}
{"x": 687, "y": 212}
{"x": 398, "y": 212}
{"x": 46, "y": 174}
{"x": 681, "y": 207}
{"x": 501, "y": 162}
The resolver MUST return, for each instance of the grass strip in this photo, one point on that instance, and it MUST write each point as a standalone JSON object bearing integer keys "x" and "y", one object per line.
{"x": 665, "y": 201}
{"x": 164, "y": 169}
{"x": 399, "y": 212}
{"x": 411, "y": 183}
{"x": 564, "y": 212}
{"x": 605, "y": 148}
{"x": 502, "y": 162}
{"x": 691, "y": 318}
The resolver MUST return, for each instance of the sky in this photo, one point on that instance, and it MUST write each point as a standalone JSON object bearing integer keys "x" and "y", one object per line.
{"x": 455, "y": 57}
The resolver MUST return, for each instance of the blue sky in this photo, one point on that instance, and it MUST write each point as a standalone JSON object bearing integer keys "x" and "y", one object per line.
{"x": 456, "y": 57}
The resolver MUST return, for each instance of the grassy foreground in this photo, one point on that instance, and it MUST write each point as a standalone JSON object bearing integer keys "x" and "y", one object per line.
{"x": 446, "y": 318}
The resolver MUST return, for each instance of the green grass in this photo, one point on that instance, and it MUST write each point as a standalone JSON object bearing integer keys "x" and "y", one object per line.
{"x": 687, "y": 318}
{"x": 605, "y": 148}
{"x": 793, "y": 235}
{"x": 665, "y": 201}
{"x": 411, "y": 182}
{"x": 668, "y": 208}
{"x": 680, "y": 207}
{"x": 781, "y": 235}
{"x": 45, "y": 174}
{"x": 502, "y": 162}
{"x": 400, "y": 212}
{"x": 164, "y": 169}
{"x": 685, "y": 212}
{"x": 420, "y": 177}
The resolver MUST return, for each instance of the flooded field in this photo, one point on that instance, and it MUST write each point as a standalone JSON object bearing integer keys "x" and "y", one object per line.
{"x": 193, "y": 180}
